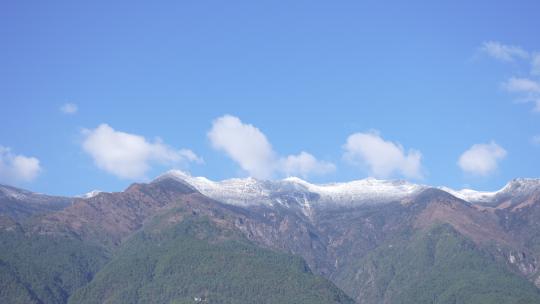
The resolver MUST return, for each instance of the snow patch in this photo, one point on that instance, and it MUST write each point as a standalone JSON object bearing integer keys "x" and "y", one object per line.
{"x": 471, "y": 196}
{"x": 15, "y": 193}
{"x": 90, "y": 194}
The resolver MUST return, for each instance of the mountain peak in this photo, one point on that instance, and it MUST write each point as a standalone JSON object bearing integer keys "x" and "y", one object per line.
{"x": 522, "y": 183}
{"x": 90, "y": 194}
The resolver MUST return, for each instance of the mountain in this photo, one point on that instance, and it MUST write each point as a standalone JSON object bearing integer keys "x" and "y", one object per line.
{"x": 293, "y": 190}
{"x": 517, "y": 188}
{"x": 181, "y": 238}
{"x": 20, "y": 204}
{"x": 349, "y": 221}
{"x": 105, "y": 235}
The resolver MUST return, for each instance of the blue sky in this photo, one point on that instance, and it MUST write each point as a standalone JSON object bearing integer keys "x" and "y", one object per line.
{"x": 442, "y": 94}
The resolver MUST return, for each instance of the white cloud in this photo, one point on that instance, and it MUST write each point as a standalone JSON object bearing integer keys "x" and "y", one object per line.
{"x": 245, "y": 144}
{"x": 382, "y": 158}
{"x": 129, "y": 155}
{"x": 481, "y": 159}
{"x": 530, "y": 90}
{"x": 504, "y": 52}
{"x": 250, "y": 148}
{"x": 305, "y": 164}
{"x": 69, "y": 108}
{"x": 535, "y": 63}
{"x": 17, "y": 168}
{"x": 522, "y": 85}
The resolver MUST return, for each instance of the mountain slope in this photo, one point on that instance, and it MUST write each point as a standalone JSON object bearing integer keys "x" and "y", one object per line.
{"x": 108, "y": 218}
{"x": 44, "y": 268}
{"x": 21, "y": 204}
{"x": 437, "y": 266}
{"x": 100, "y": 226}
{"x": 198, "y": 259}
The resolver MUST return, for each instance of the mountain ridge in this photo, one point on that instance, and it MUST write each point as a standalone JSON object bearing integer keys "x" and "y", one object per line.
{"x": 252, "y": 188}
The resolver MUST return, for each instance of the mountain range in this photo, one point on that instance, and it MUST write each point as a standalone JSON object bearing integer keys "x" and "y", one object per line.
{"x": 185, "y": 239}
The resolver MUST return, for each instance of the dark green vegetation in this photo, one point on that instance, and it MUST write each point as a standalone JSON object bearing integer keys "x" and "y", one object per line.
{"x": 436, "y": 266}
{"x": 44, "y": 269}
{"x": 172, "y": 264}
{"x": 196, "y": 258}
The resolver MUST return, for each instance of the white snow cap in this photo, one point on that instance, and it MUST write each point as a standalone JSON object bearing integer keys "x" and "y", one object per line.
{"x": 250, "y": 191}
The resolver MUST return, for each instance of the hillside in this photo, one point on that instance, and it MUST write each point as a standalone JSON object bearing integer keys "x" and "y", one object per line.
{"x": 45, "y": 268}
{"x": 437, "y": 266}
{"x": 197, "y": 259}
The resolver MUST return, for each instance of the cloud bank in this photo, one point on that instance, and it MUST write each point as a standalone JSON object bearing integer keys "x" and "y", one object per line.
{"x": 482, "y": 159}
{"x": 130, "y": 156}
{"x": 15, "y": 168}
{"x": 250, "y": 149}
{"x": 382, "y": 158}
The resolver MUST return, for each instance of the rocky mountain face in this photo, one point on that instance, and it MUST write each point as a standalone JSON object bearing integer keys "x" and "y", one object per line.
{"x": 378, "y": 241}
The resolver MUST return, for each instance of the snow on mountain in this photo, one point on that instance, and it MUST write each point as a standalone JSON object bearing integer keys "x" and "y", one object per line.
{"x": 14, "y": 193}
{"x": 522, "y": 185}
{"x": 235, "y": 191}
{"x": 516, "y": 187}
{"x": 364, "y": 190}
{"x": 90, "y": 194}
{"x": 250, "y": 191}
{"x": 471, "y": 196}
{"x": 293, "y": 191}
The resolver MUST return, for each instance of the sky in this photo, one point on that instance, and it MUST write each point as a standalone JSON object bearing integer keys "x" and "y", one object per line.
{"x": 98, "y": 95}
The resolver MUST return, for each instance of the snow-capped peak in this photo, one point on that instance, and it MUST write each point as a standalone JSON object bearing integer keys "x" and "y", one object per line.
{"x": 237, "y": 191}
{"x": 250, "y": 191}
{"x": 515, "y": 186}
{"x": 471, "y": 196}
{"x": 296, "y": 191}
{"x": 522, "y": 185}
